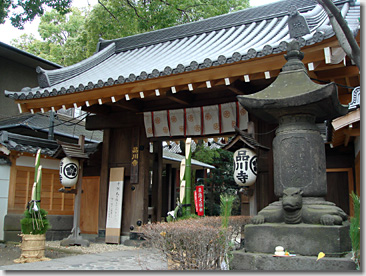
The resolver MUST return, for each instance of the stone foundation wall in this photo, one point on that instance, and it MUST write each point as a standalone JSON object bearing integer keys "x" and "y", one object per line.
{"x": 61, "y": 226}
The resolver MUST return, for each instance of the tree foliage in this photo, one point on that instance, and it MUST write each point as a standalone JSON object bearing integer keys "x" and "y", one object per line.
{"x": 70, "y": 38}
{"x": 119, "y": 18}
{"x": 355, "y": 230}
{"x": 220, "y": 180}
{"x": 63, "y": 38}
{"x": 26, "y": 10}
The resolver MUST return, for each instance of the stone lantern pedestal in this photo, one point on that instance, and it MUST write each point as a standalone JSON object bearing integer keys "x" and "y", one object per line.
{"x": 301, "y": 221}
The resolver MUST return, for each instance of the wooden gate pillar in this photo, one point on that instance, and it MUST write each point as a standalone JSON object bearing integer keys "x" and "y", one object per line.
{"x": 103, "y": 188}
{"x": 157, "y": 180}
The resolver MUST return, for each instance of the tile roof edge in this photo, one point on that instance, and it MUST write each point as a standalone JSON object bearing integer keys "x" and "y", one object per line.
{"x": 251, "y": 53}
{"x": 24, "y": 124}
{"x": 104, "y": 43}
{"x": 47, "y": 78}
{"x": 21, "y": 118}
{"x": 23, "y": 143}
{"x": 193, "y": 161}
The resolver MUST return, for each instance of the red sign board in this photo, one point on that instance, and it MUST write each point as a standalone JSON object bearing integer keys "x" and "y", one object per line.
{"x": 195, "y": 200}
{"x": 200, "y": 199}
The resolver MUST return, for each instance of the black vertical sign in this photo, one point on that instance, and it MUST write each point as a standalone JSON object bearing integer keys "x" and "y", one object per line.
{"x": 135, "y": 139}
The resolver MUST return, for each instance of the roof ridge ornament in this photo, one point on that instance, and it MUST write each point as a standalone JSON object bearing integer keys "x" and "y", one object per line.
{"x": 43, "y": 80}
{"x": 297, "y": 24}
{"x": 298, "y": 27}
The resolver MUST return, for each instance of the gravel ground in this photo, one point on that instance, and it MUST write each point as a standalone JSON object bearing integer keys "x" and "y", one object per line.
{"x": 9, "y": 251}
{"x": 93, "y": 248}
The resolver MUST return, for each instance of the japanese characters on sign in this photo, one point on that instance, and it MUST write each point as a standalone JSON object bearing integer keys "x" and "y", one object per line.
{"x": 114, "y": 208}
{"x": 135, "y": 156}
{"x": 134, "y": 165}
{"x": 245, "y": 167}
{"x": 200, "y": 200}
{"x": 135, "y": 148}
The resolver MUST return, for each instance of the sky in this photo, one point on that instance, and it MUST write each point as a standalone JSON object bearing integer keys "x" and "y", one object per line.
{"x": 8, "y": 32}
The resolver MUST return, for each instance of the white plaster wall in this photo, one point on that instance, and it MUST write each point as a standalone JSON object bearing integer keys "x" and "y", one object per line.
{"x": 4, "y": 191}
{"x": 28, "y": 161}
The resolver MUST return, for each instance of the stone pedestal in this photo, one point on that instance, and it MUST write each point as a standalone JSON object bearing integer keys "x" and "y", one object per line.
{"x": 245, "y": 261}
{"x": 300, "y": 239}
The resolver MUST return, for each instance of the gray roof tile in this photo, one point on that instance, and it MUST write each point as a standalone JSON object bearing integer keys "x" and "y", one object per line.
{"x": 178, "y": 158}
{"x": 229, "y": 38}
{"x": 29, "y": 144}
{"x": 40, "y": 122}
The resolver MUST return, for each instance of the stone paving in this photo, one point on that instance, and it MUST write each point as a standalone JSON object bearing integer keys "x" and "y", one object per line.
{"x": 134, "y": 259}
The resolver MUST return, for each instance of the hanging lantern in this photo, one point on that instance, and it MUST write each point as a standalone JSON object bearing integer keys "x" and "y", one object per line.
{"x": 245, "y": 167}
{"x": 69, "y": 171}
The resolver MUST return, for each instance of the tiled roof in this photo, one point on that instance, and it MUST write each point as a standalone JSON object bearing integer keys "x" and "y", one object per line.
{"x": 229, "y": 38}
{"x": 175, "y": 147}
{"x": 178, "y": 158}
{"x": 243, "y": 139}
{"x": 29, "y": 144}
{"x": 40, "y": 122}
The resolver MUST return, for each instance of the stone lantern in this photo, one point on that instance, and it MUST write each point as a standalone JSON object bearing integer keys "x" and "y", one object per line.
{"x": 296, "y": 103}
{"x": 301, "y": 221}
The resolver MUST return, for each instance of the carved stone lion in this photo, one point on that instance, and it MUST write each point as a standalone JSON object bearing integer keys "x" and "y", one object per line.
{"x": 294, "y": 209}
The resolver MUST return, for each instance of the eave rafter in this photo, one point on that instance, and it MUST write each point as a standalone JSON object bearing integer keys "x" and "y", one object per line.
{"x": 338, "y": 71}
{"x": 169, "y": 86}
{"x": 183, "y": 97}
{"x": 133, "y": 105}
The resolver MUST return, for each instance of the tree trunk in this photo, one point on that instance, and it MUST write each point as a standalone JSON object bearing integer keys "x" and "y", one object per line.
{"x": 343, "y": 32}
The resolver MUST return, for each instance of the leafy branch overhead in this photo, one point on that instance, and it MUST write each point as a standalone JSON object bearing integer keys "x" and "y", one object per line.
{"x": 110, "y": 20}
{"x": 26, "y": 10}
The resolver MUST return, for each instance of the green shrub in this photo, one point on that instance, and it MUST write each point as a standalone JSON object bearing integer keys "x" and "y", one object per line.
{"x": 226, "y": 206}
{"x": 191, "y": 216}
{"x": 355, "y": 230}
{"x": 194, "y": 243}
{"x": 34, "y": 222}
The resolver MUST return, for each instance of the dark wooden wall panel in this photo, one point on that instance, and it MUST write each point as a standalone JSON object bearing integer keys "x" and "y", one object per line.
{"x": 264, "y": 134}
{"x": 337, "y": 185}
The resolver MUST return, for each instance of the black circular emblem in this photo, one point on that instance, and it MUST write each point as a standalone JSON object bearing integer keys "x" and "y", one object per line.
{"x": 253, "y": 164}
{"x": 71, "y": 170}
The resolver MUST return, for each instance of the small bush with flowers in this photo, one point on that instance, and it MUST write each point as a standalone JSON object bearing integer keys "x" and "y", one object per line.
{"x": 195, "y": 243}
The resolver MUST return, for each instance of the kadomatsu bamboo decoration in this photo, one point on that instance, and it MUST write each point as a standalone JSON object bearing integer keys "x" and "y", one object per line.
{"x": 35, "y": 220}
{"x": 35, "y": 203}
{"x": 187, "y": 177}
{"x": 182, "y": 190}
{"x": 35, "y": 223}
{"x": 38, "y": 178}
